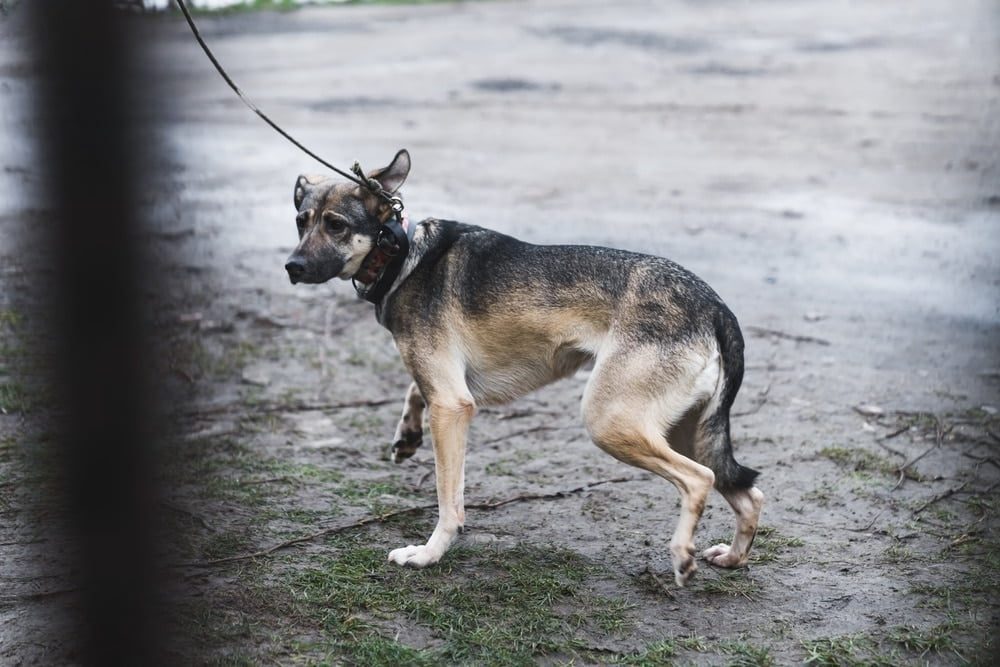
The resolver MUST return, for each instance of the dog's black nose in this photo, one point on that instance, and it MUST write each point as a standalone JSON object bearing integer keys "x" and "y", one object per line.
{"x": 296, "y": 267}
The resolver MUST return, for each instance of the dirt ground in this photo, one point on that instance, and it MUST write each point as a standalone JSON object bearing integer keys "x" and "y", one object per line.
{"x": 831, "y": 169}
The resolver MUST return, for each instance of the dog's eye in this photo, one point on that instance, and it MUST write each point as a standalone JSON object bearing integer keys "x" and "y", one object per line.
{"x": 334, "y": 222}
{"x": 301, "y": 219}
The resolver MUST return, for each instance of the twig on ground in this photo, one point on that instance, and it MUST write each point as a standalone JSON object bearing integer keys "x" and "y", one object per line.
{"x": 287, "y": 407}
{"x": 503, "y": 415}
{"x": 939, "y": 433}
{"x": 269, "y": 480}
{"x": 981, "y": 459}
{"x": 659, "y": 582}
{"x": 940, "y": 497}
{"x": 898, "y": 431}
{"x": 869, "y": 525}
{"x": 761, "y": 400}
{"x": 828, "y": 526}
{"x": 381, "y": 518}
{"x": 890, "y": 449}
{"x": 546, "y": 496}
{"x": 774, "y": 333}
{"x": 425, "y": 477}
{"x": 523, "y": 431}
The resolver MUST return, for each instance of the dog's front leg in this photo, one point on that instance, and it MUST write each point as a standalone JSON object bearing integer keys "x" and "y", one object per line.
{"x": 410, "y": 430}
{"x": 449, "y": 427}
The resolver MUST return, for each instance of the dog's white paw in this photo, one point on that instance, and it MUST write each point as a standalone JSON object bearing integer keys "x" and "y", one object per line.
{"x": 722, "y": 555}
{"x": 414, "y": 556}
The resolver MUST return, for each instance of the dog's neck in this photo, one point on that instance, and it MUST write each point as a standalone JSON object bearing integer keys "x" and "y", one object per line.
{"x": 380, "y": 268}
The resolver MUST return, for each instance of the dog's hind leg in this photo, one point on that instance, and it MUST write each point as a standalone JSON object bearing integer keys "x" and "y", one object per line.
{"x": 746, "y": 503}
{"x": 735, "y": 483}
{"x": 625, "y": 406}
{"x": 410, "y": 431}
{"x": 451, "y": 408}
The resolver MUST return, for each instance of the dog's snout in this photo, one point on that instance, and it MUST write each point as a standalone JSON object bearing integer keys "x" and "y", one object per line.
{"x": 296, "y": 268}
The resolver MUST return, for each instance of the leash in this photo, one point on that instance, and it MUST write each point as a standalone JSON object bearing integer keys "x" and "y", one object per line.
{"x": 393, "y": 242}
{"x": 358, "y": 176}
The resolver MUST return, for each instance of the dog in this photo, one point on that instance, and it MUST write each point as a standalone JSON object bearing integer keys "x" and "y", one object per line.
{"x": 481, "y": 318}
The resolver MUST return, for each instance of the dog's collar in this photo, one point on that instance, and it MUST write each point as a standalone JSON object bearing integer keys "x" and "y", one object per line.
{"x": 382, "y": 265}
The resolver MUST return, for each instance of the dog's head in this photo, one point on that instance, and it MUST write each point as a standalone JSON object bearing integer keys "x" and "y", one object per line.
{"x": 339, "y": 222}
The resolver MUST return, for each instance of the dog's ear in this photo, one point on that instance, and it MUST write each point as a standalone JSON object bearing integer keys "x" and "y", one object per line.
{"x": 303, "y": 185}
{"x": 392, "y": 177}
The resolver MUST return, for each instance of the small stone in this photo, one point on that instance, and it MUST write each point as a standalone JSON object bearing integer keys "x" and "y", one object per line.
{"x": 255, "y": 376}
{"x": 869, "y": 410}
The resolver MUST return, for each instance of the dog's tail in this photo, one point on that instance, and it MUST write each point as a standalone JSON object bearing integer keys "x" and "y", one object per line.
{"x": 728, "y": 473}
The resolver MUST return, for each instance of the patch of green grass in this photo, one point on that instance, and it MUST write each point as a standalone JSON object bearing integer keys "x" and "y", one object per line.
{"x": 847, "y": 651}
{"x": 661, "y": 652}
{"x": 221, "y": 545}
{"x": 897, "y": 553}
{"x": 518, "y": 609}
{"x": 938, "y": 639}
{"x": 861, "y": 461}
{"x": 657, "y": 653}
{"x": 744, "y": 654}
{"x": 373, "y": 649}
{"x": 9, "y": 318}
{"x": 770, "y": 545}
{"x": 822, "y": 494}
{"x": 734, "y": 584}
{"x": 934, "y": 596}
{"x": 14, "y": 397}
{"x": 613, "y": 618}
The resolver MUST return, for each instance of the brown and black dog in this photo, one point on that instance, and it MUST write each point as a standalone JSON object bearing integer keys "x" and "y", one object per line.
{"x": 481, "y": 318}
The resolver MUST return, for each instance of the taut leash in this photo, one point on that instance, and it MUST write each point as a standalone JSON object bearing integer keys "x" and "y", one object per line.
{"x": 358, "y": 176}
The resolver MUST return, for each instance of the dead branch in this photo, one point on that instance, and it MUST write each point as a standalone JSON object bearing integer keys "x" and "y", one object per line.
{"x": 939, "y": 434}
{"x": 890, "y": 449}
{"x": 546, "y": 496}
{"x": 523, "y": 431}
{"x": 899, "y": 431}
{"x": 286, "y": 407}
{"x": 761, "y": 400}
{"x": 659, "y": 582}
{"x": 869, "y": 525}
{"x": 502, "y": 414}
{"x": 981, "y": 459}
{"x": 774, "y": 333}
{"x": 939, "y": 497}
{"x": 381, "y": 518}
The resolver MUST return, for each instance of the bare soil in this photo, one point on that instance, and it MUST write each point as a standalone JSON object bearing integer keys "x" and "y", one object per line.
{"x": 831, "y": 170}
